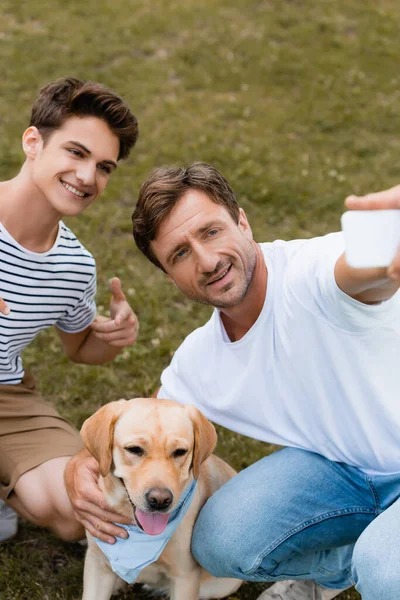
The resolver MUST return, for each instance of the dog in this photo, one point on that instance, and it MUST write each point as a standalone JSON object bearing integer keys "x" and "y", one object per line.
{"x": 156, "y": 461}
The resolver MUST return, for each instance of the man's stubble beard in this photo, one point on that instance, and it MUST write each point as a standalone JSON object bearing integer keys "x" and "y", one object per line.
{"x": 202, "y": 299}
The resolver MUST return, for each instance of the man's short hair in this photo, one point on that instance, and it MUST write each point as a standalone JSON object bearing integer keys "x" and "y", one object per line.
{"x": 69, "y": 97}
{"x": 164, "y": 187}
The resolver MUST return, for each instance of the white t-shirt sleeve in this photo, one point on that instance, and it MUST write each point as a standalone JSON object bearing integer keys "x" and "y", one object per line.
{"x": 311, "y": 279}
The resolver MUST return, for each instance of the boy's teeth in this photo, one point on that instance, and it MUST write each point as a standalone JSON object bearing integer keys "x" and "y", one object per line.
{"x": 73, "y": 190}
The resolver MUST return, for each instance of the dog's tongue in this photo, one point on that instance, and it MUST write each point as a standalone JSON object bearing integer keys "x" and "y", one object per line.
{"x": 152, "y": 523}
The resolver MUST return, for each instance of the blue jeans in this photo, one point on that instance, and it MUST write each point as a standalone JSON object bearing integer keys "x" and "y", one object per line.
{"x": 297, "y": 515}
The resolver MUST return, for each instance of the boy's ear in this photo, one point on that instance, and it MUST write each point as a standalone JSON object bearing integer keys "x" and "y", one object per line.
{"x": 169, "y": 278}
{"x": 31, "y": 141}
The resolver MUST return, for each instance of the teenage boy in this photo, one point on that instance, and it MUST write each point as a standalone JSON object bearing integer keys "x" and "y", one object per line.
{"x": 77, "y": 134}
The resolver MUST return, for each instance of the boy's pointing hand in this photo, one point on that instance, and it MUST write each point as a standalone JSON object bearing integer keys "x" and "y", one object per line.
{"x": 121, "y": 328}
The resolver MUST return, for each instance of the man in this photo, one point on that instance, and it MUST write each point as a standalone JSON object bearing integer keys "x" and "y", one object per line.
{"x": 301, "y": 351}
{"x": 78, "y": 132}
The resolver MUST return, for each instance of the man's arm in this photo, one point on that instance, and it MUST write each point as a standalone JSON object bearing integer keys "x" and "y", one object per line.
{"x": 371, "y": 286}
{"x": 81, "y": 480}
{"x": 90, "y": 508}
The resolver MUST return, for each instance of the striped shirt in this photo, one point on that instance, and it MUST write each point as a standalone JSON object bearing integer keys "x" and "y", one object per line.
{"x": 56, "y": 287}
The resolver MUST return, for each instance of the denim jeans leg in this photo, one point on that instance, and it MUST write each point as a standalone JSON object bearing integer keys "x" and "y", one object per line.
{"x": 291, "y": 515}
{"x": 376, "y": 560}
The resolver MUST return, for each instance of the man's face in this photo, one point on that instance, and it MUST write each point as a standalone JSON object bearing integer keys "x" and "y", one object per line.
{"x": 74, "y": 166}
{"x": 207, "y": 255}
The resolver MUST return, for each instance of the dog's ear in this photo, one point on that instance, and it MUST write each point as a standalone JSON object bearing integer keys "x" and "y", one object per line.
{"x": 205, "y": 437}
{"x": 97, "y": 433}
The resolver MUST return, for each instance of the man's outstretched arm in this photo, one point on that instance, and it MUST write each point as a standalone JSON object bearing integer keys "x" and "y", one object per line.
{"x": 373, "y": 285}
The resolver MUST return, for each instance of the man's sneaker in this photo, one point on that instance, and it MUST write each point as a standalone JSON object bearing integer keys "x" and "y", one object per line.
{"x": 298, "y": 590}
{"x": 8, "y": 522}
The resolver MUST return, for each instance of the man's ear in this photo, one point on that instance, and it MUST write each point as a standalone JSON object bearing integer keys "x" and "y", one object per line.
{"x": 31, "y": 141}
{"x": 244, "y": 225}
{"x": 97, "y": 433}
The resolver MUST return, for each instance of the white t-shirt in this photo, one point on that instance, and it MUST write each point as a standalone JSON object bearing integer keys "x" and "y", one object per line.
{"x": 318, "y": 370}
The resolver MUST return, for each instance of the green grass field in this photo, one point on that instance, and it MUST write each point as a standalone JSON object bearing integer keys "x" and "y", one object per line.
{"x": 295, "y": 101}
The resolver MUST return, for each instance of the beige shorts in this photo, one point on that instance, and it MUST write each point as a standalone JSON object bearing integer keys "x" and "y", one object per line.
{"x": 31, "y": 433}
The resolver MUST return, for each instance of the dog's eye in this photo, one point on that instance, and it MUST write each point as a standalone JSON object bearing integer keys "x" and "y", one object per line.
{"x": 136, "y": 450}
{"x": 179, "y": 452}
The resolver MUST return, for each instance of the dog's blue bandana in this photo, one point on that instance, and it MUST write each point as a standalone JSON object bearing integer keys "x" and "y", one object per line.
{"x": 128, "y": 557}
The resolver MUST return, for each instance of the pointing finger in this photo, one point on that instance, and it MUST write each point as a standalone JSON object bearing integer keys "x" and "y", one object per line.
{"x": 116, "y": 289}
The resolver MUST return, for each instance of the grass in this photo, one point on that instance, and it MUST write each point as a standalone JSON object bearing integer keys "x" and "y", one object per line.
{"x": 295, "y": 101}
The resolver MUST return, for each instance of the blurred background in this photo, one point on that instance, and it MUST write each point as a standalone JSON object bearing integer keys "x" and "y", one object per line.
{"x": 295, "y": 101}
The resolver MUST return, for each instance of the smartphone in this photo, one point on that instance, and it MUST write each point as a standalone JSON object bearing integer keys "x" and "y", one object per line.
{"x": 371, "y": 237}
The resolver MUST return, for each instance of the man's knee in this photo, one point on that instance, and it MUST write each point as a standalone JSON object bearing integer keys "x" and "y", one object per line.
{"x": 203, "y": 540}
{"x": 219, "y": 542}
{"x": 234, "y": 527}
{"x": 375, "y": 568}
{"x": 243, "y": 519}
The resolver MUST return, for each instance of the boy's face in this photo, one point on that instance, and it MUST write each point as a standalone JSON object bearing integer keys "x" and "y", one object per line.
{"x": 74, "y": 165}
{"x": 208, "y": 256}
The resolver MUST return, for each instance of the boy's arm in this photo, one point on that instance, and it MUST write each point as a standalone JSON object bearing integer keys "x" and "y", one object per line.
{"x": 371, "y": 286}
{"x": 84, "y": 347}
{"x": 105, "y": 337}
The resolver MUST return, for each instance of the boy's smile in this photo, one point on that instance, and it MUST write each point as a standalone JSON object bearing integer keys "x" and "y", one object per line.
{"x": 75, "y": 163}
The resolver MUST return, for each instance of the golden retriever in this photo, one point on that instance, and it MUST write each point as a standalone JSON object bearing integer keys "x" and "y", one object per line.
{"x": 149, "y": 451}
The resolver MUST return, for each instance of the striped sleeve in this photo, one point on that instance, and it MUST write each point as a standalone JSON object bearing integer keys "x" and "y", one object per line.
{"x": 83, "y": 312}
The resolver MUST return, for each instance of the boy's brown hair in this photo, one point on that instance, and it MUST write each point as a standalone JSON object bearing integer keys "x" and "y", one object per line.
{"x": 69, "y": 97}
{"x": 162, "y": 190}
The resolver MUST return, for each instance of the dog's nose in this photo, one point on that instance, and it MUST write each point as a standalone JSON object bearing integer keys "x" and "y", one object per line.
{"x": 159, "y": 498}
